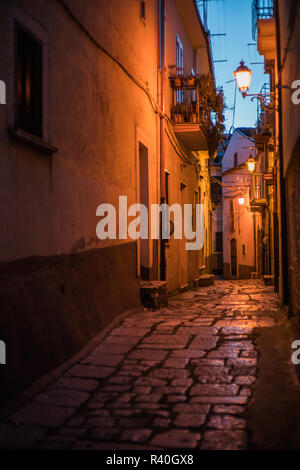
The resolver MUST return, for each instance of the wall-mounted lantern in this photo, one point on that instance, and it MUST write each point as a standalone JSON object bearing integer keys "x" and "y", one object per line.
{"x": 251, "y": 165}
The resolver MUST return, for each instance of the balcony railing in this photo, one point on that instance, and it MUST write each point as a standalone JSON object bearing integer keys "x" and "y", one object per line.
{"x": 184, "y": 99}
{"x": 261, "y": 9}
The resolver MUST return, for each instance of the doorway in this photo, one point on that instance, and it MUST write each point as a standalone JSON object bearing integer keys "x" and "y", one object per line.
{"x": 145, "y": 264}
{"x": 233, "y": 257}
{"x": 183, "y": 252}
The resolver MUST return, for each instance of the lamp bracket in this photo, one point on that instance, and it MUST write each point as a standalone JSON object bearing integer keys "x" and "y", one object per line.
{"x": 269, "y": 107}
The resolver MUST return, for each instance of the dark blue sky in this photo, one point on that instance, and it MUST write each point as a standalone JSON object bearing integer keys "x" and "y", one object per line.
{"x": 234, "y": 17}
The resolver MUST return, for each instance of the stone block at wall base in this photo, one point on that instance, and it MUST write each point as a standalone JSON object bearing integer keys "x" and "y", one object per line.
{"x": 154, "y": 294}
{"x": 268, "y": 280}
{"x": 206, "y": 280}
{"x": 255, "y": 275}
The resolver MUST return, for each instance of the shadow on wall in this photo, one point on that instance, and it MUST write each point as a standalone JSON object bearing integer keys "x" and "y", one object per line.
{"x": 51, "y": 307}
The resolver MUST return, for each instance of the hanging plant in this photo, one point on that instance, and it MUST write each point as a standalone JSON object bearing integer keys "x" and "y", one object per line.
{"x": 211, "y": 108}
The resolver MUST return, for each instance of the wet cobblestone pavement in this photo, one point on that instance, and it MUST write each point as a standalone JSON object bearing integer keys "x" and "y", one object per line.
{"x": 180, "y": 377}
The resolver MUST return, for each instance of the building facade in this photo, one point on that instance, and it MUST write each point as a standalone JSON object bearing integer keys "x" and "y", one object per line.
{"x": 276, "y": 27}
{"x": 93, "y": 113}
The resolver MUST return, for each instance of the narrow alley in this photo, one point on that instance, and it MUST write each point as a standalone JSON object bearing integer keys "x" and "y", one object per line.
{"x": 185, "y": 376}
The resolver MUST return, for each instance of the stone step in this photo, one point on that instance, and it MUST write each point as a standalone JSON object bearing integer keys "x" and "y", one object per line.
{"x": 255, "y": 275}
{"x": 268, "y": 280}
{"x": 206, "y": 280}
{"x": 154, "y": 294}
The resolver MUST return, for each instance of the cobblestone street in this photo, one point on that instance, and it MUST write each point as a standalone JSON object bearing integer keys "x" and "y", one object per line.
{"x": 180, "y": 377}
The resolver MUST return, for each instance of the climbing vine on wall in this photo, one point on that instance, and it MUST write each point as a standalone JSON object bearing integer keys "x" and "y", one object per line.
{"x": 211, "y": 109}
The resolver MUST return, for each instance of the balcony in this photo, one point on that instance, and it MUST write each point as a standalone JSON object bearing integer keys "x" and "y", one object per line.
{"x": 258, "y": 204}
{"x": 264, "y": 27}
{"x": 185, "y": 112}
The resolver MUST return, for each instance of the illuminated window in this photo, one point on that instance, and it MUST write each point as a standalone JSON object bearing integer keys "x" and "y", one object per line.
{"x": 29, "y": 84}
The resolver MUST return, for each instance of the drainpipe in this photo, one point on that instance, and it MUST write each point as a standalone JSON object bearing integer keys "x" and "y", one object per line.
{"x": 163, "y": 264}
{"x": 254, "y": 235}
{"x": 283, "y": 228}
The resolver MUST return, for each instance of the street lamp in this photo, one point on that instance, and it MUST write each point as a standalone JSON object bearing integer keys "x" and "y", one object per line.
{"x": 243, "y": 78}
{"x": 241, "y": 201}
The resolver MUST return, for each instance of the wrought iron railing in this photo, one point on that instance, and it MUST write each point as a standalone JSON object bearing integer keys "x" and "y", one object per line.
{"x": 261, "y": 9}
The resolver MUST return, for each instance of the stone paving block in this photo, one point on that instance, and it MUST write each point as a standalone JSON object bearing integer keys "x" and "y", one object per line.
{"x": 161, "y": 423}
{"x": 176, "y": 363}
{"x": 206, "y": 370}
{"x": 103, "y": 434}
{"x": 189, "y": 420}
{"x": 56, "y": 443}
{"x": 92, "y": 372}
{"x": 44, "y": 416}
{"x": 229, "y": 409}
{"x": 170, "y": 339}
{"x": 69, "y": 398}
{"x": 226, "y": 422}
{"x": 191, "y": 408}
{"x": 220, "y": 440}
{"x": 224, "y": 352}
{"x": 80, "y": 385}
{"x": 19, "y": 437}
{"x": 176, "y": 398}
{"x": 245, "y": 361}
{"x": 101, "y": 359}
{"x": 134, "y": 422}
{"x": 153, "y": 398}
{"x": 100, "y": 422}
{"x": 237, "y": 400}
{"x": 181, "y": 383}
{"x": 115, "y": 341}
{"x": 122, "y": 331}
{"x": 197, "y": 330}
{"x": 245, "y": 380}
{"x": 204, "y": 342}
{"x": 214, "y": 390}
{"x": 170, "y": 373}
{"x": 152, "y": 381}
{"x": 144, "y": 354}
{"x": 176, "y": 439}
{"x": 136, "y": 435}
{"x": 120, "y": 379}
{"x": 161, "y": 346}
{"x": 188, "y": 353}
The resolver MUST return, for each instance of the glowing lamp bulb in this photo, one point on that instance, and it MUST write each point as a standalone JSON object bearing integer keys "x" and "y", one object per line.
{"x": 251, "y": 165}
{"x": 243, "y": 77}
{"x": 241, "y": 201}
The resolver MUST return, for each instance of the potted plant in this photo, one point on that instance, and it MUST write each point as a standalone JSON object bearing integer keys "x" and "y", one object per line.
{"x": 190, "y": 81}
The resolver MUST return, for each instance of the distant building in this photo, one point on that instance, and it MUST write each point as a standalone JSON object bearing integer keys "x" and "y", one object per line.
{"x": 239, "y": 223}
{"x": 217, "y": 208}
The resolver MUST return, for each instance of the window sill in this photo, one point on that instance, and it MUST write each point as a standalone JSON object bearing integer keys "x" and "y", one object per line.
{"x": 33, "y": 141}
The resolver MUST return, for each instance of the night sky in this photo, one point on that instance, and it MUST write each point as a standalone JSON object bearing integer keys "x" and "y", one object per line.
{"x": 234, "y": 17}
